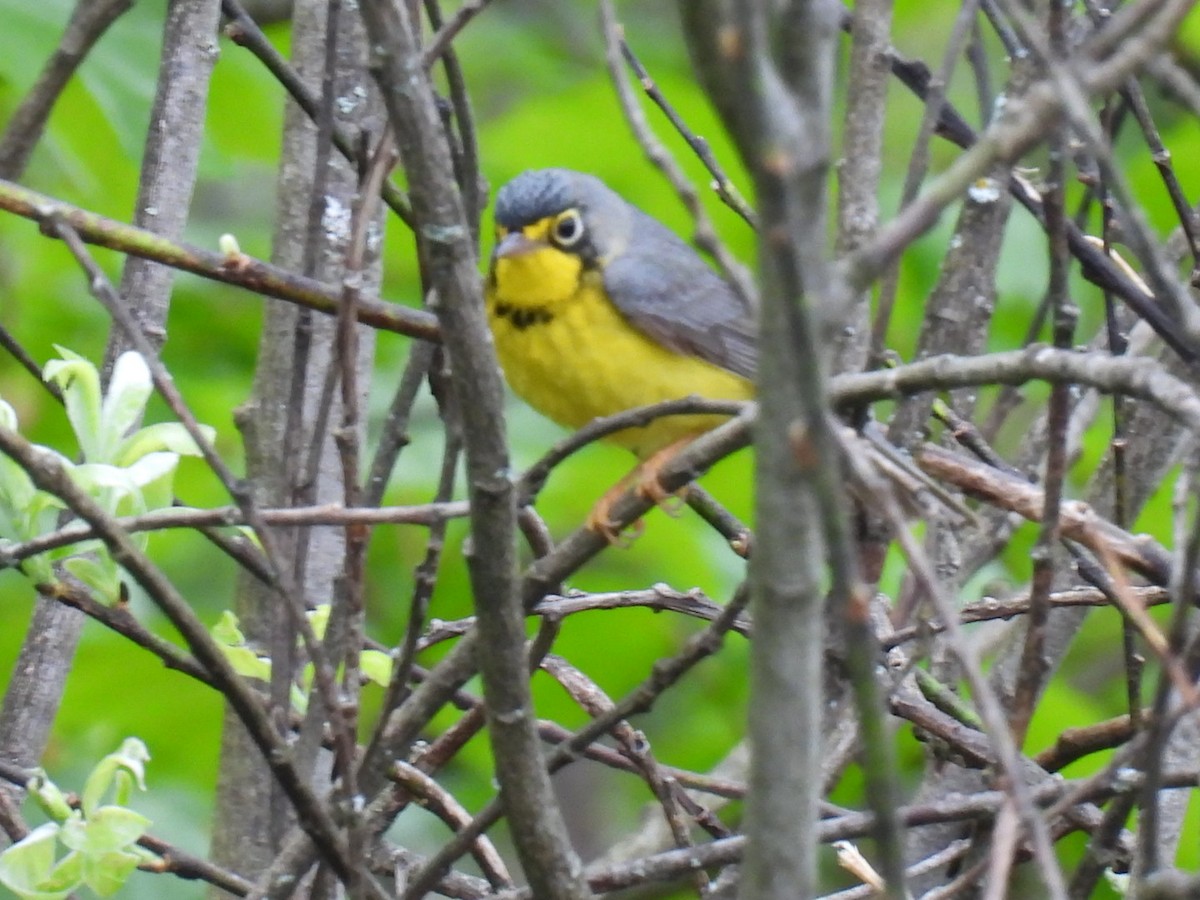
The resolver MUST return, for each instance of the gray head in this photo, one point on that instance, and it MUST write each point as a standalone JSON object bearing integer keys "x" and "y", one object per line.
{"x": 597, "y": 221}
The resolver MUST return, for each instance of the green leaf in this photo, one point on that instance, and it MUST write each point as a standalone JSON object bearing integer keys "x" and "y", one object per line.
{"x": 299, "y": 699}
{"x": 170, "y": 436}
{"x": 67, "y": 875}
{"x": 8, "y": 416}
{"x": 247, "y": 663}
{"x": 69, "y": 356}
{"x": 130, "y": 757}
{"x": 16, "y": 488}
{"x": 226, "y": 631}
{"x": 49, "y": 797}
{"x": 28, "y": 864}
{"x": 106, "y": 484}
{"x": 318, "y": 618}
{"x": 232, "y": 642}
{"x": 248, "y": 534}
{"x": 125, "y": 402}
{"x": 376, "y": 666}
{"x": 80, "y": 385}
{"x": 107, "y": 874}
{"x": 130, "y": 491}
{"x": 100, "y": 573}
{"x": 25, "y": 512}
{"x": 74, "y": 832}
{"x": 154, "y": 473}
{"x": 38, "y": 569}
{"x": 110, "y": 828}
{"x": 301, "y": 692}
{"x": 42, "y": 511}
{"x": 16, "y": 495}
{"x": 116, "y": 491}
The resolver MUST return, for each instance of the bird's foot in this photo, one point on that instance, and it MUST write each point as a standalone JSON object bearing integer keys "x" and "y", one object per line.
{"x": 649, "y": 483}
{"x": 648, "y": 486}
{"x": 601, "y": 522}
{"x": 651, "y": 489}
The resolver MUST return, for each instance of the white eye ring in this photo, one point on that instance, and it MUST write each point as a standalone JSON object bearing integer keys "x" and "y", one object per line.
{"x": 568, "y": 229}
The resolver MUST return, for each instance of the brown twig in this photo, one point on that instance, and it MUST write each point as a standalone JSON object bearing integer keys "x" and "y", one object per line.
{"x": 442, "y": 38}
{"x": 666, "y": 673}
{"x": 704, "y": 235}
{"x": 722, "y": 185}
{"x": 433, "y": 797}
{"x": 633, "y": 743}
{"x": 233, "y": 267}
{"x": 1034, "y": 665}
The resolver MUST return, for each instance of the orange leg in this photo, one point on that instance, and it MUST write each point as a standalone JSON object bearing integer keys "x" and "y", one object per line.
{"x": 646, "y": 474}
{"x": 600, "y": 519}
{"x": 649, "y": 485}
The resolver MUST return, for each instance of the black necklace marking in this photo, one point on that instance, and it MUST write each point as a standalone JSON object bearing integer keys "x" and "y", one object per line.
{"x": 521, "y": 317}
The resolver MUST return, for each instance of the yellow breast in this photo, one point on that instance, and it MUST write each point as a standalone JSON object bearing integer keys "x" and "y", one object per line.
{"x": 569, "y": 353}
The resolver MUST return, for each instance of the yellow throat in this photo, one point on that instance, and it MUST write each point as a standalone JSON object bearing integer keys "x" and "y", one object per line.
{"x": 573, "y": 356}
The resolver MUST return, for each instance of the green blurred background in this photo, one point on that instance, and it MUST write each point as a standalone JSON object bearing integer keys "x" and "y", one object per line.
{"x": 545, "y": 99}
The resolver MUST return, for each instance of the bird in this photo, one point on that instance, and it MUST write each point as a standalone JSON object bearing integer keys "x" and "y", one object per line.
{"x": 595, "y": 308}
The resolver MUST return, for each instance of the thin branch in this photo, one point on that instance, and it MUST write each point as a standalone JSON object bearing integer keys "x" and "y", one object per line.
{"x": 705, "y": 236}
{"x": 441, "y": 40}
{"x": 1034, "y": 664}
{"x": 232, "y": 267}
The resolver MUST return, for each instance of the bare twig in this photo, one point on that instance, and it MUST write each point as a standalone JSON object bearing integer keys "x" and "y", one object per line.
{"x": 232, "y": 267}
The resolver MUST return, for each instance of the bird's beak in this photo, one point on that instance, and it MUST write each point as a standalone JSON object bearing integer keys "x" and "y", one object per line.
{"x": 515, "y": 243}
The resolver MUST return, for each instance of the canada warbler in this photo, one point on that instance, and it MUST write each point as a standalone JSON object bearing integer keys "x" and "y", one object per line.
{"x": 597, "y": 308}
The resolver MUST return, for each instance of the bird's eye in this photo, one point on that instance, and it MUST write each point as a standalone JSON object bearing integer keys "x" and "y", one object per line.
{"x": 568, "y": 228}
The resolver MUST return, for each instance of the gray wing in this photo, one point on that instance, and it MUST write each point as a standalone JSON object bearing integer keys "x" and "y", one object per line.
{"x": 667, "y": 291}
